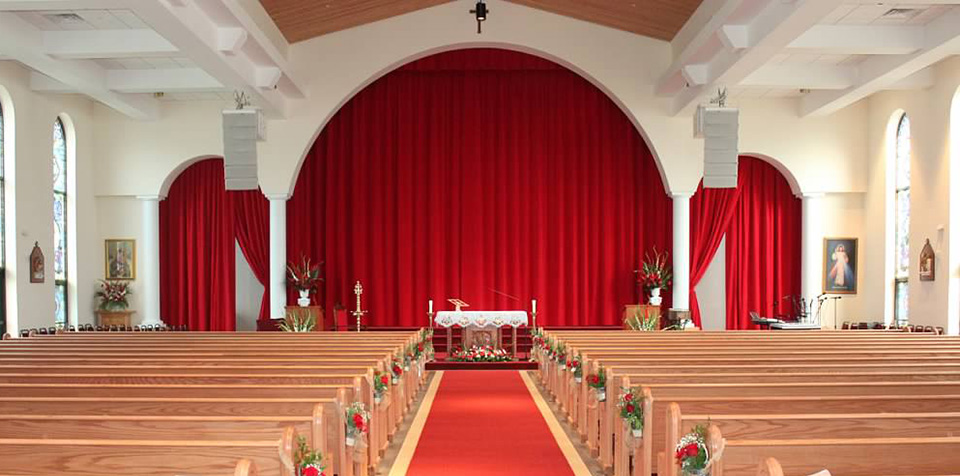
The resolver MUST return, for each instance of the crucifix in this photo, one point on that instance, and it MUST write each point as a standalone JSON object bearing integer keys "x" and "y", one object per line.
{"x": 358, "y": 290}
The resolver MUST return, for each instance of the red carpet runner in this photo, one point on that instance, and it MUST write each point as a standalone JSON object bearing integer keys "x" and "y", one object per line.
{"x": 484, "y": 422}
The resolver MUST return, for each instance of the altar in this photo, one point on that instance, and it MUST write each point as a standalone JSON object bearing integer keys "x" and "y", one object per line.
{"x": 482, "y": 327}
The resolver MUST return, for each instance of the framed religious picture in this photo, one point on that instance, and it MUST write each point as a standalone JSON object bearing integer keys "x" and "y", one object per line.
{"x": 37, "y": 271}
{"x": 928, "y": 263}
{"x": 121, "y": 259}
{"x": 840, "y": 265}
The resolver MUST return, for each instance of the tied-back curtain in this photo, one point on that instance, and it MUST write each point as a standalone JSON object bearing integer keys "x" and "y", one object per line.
{"x": 252, "y": 212}
{"x": 763, "y": 245}
{"x": 197, "y": 251}
{"x": 711, "y": 212}
{"x": 491, "y": 176}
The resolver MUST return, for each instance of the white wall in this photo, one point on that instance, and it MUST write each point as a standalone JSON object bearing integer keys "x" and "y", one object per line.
{"x": 712, "y": 292}
{"x": 249, "y": 294}
{"x": 119, "y": 218}
{"x": 31, "y": 183}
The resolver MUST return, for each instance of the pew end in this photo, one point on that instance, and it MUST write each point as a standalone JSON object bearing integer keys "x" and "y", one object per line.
{"x": 769, "y": 467}
{"x": 246, "y": 467}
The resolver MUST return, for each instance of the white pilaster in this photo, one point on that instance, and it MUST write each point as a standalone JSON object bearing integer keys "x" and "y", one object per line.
{"x": 150, "y": 259}
{"x": 811, "y": 265}
{"x": 278, "y": 255}
{"x": 681, "y": 251}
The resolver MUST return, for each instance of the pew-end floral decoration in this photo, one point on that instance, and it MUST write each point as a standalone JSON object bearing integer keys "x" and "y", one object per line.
{"x": 358, "y": 422}
{"x": 598, "y": 382}
{"x": 380, "y": 383}
{"x": 309, "y": 462}
{"x": 575, "y": 366}
{"x": 692, "y": 454}
{"x": 631, "y": 410}
{"x": 396, "y": 370}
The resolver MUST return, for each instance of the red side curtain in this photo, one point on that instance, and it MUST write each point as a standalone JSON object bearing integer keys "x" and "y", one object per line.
{"x": 763, "y": 245}
{"x": 252, "y": 212}
{"x": 491, "y": 176}
{"x": 711, "y": 211}
{"x": 197, "y": 253}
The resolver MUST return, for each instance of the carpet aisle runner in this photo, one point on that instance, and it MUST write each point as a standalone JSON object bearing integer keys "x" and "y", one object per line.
{"x": 485, "y": 422}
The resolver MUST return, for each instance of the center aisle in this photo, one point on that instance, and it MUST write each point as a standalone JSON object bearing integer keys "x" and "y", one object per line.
{"x": 485, "y": 422}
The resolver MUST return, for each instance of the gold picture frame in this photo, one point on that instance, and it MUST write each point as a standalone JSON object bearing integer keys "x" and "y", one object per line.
{"x": 120, "y": 259}
{"x": 841, "y": 265}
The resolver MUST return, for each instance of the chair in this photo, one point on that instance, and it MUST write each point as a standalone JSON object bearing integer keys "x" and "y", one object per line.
{"x": 929, "y": 329}
{"x": 845, "y": 325}
{"x": 863, "y": 325}
{"x": 42, "y": 331}
{"x": 89, "y": 327}
{"x": 51, "y": 330}
{"x": 24, "y": 333}
{"x": 940, "y": 331}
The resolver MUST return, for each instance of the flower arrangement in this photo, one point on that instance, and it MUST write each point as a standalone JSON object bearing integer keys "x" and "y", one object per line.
{"x": 309, "y": 462}
{"x": 396, "y": 370}
{"x": 298, "y": 320}
{"x": 380, "y": 383}
{"x": 691, "y": 452}
{"x": 426, "y": 343}
{"x": 304, "y": 276}
{"x": 645, "y": 321}
{"x": 631, "y": 410}
{"x": 655, "y": 272}
{"x": 598, "y": 382}
{"x": 560, "y": 355}
{"x": 358, "y": 422}
{"x": 478, "y": 353}
{"x": 113, "y": 295}
{"x": 575, "y": 366}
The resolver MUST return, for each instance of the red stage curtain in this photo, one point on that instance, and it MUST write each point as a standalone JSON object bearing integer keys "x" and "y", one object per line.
{"x": 478, "y": 174}
{"x": 763, "y": 245}
{"x": 252, "y": 212}
{"x": 197, "y": 253}
{"x": 711, "y": 211}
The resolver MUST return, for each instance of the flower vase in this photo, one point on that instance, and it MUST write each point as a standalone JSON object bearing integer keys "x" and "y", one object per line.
{"x": 351, "y": 441}
{"x": 655, "y": 298}
{"x": 636, "y": 433}
{"x": 113, "y": 306}
{"x": 304, "y": 300}
{"x": 377, "y": 399}
{"x": 578, "y": 379}
{"x": 602, "y": 395}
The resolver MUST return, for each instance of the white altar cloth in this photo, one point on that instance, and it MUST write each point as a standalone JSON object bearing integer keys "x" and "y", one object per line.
{"x": 481, "y": 318}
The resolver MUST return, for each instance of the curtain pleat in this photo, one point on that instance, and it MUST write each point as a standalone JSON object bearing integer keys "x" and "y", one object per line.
{"x": 252, "y": 212}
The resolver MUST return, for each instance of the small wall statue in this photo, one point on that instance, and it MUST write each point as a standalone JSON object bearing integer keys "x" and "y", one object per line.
{"x": 37, "y": 273}
{"x": 928, "y": 263}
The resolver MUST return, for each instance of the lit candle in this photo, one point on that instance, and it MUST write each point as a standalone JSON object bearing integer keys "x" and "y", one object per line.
{"x": 534, "y": 305}
{"x": 430, "y": 304}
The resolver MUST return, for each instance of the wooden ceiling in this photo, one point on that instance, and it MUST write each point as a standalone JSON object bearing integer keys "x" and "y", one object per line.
{"x": 304, "y": 19}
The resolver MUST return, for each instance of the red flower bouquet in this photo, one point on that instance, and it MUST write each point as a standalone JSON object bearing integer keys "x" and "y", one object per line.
{"x": 358, "y": 422}
{"x": 691, "y": 452}
{"x": 631, "y": 410}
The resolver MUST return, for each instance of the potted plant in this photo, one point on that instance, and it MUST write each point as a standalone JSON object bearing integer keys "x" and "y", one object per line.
{"x": 305, "y": 278}
{"x": 655, "y": 275}
{"x": 113, "y": 295}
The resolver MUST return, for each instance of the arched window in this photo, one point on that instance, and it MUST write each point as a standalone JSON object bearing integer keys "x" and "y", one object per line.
{"x": 902, "y": 222}
{"x": 60, "y": 221}
{"x": 3, "y": 241}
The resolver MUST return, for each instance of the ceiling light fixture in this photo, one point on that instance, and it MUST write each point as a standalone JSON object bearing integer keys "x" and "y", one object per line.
{"x": 480, "y": 11}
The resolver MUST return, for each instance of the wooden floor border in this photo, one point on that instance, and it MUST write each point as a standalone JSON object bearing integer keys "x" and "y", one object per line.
{"x": 409, "y": 447}
{"x": 566, "y": 446}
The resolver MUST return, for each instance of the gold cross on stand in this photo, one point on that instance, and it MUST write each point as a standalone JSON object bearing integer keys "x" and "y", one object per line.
{"x": 358, "y": 290}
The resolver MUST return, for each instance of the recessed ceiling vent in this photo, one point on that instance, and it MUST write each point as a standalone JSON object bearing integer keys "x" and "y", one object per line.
{"x": 902, "y": 13}
{"x": 64, "y": 18}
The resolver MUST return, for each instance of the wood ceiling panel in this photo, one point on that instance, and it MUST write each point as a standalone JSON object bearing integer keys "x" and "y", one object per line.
{"x": 304, "y": 19}
{"x": 654, "y": 18}
{"x": 300, "y": 20}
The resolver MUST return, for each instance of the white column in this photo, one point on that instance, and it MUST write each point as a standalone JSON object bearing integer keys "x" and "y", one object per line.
{"x": 811, "y": 266}
{"x": 681, "y": 251}
{"x": 278, "y": 255}
{"x": 150, "y": 259}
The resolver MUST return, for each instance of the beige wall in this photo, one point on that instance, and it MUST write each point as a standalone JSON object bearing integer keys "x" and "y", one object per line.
{"x": 30, "y": 185}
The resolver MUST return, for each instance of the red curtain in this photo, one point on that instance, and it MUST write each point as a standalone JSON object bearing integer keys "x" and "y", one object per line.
{"x": 487, "y": 175}
{"x": 711, "y": 211}
{"x": 763, "y": 245}
{"x": 197, "y": 253}
{"x": 252, "y": 212}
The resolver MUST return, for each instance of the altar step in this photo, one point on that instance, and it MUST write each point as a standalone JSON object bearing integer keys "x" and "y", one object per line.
{"x": 515, "y": 365}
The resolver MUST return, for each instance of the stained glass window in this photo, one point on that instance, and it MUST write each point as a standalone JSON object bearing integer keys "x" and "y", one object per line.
{"x": 60, "y": 222}
{"x": 902, "y": 222}
{"x": 3, "y": 236}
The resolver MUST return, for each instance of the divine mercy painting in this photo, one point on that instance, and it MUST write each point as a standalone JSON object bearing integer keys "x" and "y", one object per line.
{"x": 840, "y": 266}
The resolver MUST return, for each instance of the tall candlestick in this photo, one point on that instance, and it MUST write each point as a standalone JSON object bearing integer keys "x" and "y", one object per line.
{"x": 534, "y": 305}
{"x": 430, "y": 306}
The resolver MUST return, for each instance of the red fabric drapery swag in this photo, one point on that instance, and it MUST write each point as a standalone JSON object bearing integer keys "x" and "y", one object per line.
{"x": 763, "y": 245}
{"x": 197, "y": 253}
{"x": 711, "y": 211}
{"x": 479, "y": 174}
{"x": 252, "y": 212}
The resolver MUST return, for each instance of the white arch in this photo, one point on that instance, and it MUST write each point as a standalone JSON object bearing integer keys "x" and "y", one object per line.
{"x": 777, "y": 164}
{"x": 10, "y": 212}
{"x": 175, "y": 173}
{"x": 474, "y": 45}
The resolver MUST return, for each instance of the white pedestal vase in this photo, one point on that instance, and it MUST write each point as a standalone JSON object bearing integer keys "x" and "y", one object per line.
{"x": 655, "y": 298}
{"x": 304, "y": 300}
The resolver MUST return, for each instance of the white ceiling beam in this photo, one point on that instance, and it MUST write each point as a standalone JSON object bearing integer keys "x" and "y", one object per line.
{"x": 801, "y": 76}
{"x": 42, "y": 5}
{"x": 776, "y": 25}
{"x": 696, "y": 40}
{"x": 905, "y": 3}
{"x": 860, "y": 39}
{"x": 92, "y": 44}
{"x": 194, "y": 33}
{"x": 941, "y": 39}
{"x": 42, "y": 83}
{"x": 161, "y": 80}
{"x": 23, "y": 42}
